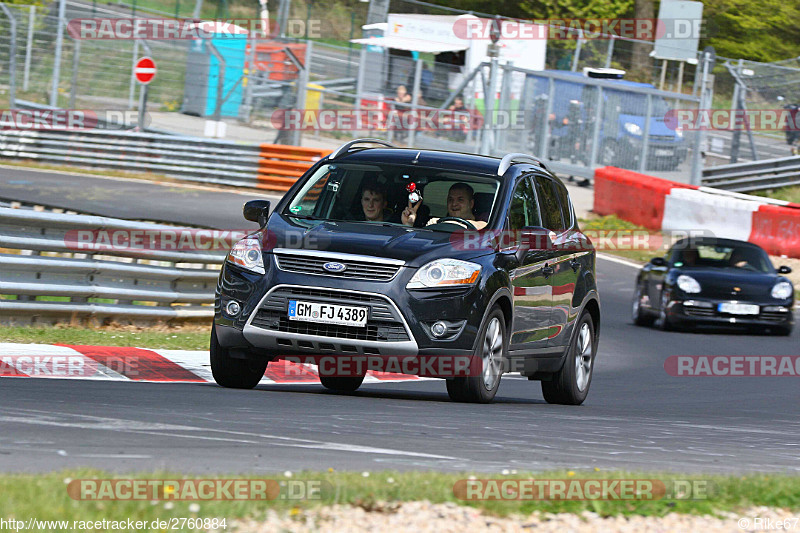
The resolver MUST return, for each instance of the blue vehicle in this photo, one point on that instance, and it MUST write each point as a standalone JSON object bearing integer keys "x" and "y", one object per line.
{"x": 622, "y": 125}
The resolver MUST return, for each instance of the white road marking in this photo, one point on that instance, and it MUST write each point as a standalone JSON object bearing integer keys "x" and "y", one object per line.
{"x": 615, "y": 259}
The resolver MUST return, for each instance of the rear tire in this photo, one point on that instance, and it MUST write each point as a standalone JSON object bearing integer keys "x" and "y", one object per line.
{"x": 640, "y": 316}
{"x": 492, "y": 353}
{"x": 342, "y": 384}
{"x": 570, "y": 385}
{"x": 234, "y": 373}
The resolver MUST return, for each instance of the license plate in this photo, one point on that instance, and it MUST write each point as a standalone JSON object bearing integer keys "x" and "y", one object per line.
{"x": 340, "y": 315}
{"x": 738, "y": 309}
{"x": 664, "y": 152}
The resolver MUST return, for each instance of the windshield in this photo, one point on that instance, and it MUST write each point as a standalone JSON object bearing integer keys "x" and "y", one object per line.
{"x": 743, "y": 258}
{"x": 378, "y": 193}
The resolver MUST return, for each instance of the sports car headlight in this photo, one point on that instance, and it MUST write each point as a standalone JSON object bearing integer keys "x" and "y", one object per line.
{"x": 445, "y": 273}
{"x": 688, "y": 284}
{"x": 679, "y": 133}
{"x": 782, "y": 290}
{"x": 247, "y": 254}
{"x": 633, "y": 128}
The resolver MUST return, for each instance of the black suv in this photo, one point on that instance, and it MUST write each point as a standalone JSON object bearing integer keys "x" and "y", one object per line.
{"x": 380, "y": 253}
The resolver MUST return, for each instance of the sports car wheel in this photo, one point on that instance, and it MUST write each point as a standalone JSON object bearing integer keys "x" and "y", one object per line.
{"x": 639, "y": 315}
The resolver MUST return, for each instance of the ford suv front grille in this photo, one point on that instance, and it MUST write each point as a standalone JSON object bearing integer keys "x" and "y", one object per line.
{"x": 352, "y": 267}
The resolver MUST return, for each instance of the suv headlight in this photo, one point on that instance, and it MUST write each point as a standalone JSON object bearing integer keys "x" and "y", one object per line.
{"x": 443, "y": 273}
{"x": 688, "y": 284}
{"x": 247, "y": 254}
{"x": 782, "y": 290}
{"x": 633, "y": 128}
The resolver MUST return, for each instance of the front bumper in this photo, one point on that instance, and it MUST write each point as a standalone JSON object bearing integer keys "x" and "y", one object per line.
{"x": 399, "y": 320}
{"x": 706, "y": 311}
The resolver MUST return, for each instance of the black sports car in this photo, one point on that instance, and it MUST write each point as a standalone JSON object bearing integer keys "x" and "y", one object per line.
{"x": 715, "y": 282}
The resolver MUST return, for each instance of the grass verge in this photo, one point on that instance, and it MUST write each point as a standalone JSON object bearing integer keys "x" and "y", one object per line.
{"x": 789, "y": 194}
{"x": 378, "y": 491}
{"x": 185, "y": 337}
{"x": 605, "y": 225}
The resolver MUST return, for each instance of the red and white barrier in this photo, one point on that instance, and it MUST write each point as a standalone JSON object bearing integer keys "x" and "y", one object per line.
{"x": 661, "y": 204}
{"x": 118, "y": 363}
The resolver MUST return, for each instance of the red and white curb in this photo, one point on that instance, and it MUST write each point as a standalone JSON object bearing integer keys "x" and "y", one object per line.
{"x": 665, "y": 205}
{"x": 116, "y": 363}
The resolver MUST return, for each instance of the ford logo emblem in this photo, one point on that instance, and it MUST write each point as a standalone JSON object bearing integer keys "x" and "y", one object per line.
{"x": 334, "y": 267}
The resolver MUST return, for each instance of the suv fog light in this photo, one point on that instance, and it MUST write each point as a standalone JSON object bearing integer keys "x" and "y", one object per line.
{"x": 438, "y": 329}
{"x": 233, "y": 308}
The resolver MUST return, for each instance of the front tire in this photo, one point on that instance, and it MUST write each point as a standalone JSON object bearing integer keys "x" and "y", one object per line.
{"x": 491, "y": 352}
{"x": 570, "y": 385}
{"x": 640, "y": 316}
{"x": 234, "y": 373}
{"x": 342, "y": 384}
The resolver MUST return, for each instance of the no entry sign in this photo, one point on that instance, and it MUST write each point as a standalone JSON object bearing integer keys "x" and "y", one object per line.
{"x": 145, "y": 70}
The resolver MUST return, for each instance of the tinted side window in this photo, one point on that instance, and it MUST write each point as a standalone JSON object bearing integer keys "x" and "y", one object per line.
{"x": 563, "y": 197}
{"x": 523, "y": 210}
{"x": 548, "y": 205}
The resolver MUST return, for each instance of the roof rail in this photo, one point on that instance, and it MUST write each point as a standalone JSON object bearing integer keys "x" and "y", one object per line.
{"x": 510, "y": 159}
{"x": 343, "y": 149}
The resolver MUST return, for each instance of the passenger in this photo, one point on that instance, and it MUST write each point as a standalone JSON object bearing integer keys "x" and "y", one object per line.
{"x": 460, "y": 203}
{"x": 373, "y": 203}
{"x": 690, "y": 257}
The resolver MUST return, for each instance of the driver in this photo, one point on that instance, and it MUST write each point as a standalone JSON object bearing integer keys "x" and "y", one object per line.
{"x": 739, "y": 259}
{"x": 460, "y": 203}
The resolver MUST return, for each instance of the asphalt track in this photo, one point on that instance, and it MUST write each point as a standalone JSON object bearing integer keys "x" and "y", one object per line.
{"x": 129, "y": 199}
{"x": 636, "y": 416}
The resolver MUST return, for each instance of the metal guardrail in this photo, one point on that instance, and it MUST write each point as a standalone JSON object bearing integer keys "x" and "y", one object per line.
{"x": 754, "y": 175}
{"x": 189, "y": 158}
{"x": 51, "y": 278}
{"x": 263, "y": 166}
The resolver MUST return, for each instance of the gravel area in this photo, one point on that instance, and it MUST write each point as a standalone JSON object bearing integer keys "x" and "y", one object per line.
{"x": 449, "y": 517}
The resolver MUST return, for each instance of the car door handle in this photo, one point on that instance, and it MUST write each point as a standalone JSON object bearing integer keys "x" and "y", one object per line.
{"x": 575, "y": 264}
{"x": 548, "y": 271}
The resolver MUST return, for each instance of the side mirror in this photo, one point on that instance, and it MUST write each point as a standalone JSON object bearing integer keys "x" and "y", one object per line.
{"x": 784, "y": 270}
{"x": 256, "y": 211}
{"x": 658, "y": 262}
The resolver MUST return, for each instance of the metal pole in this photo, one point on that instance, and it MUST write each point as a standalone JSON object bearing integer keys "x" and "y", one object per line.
{"x": 646, "y": 134}
{"x": 663, "y": 75}
{"x": 696, "y": 173}
{"x": 12, "y": 60}
{"x": 57, "y": 59}
{"x": 487, "y": 143}
{"x": 551, "y": 93}
{"x": 680, "y": 77}
{"x": 412, "y": 133}
{"x": 302, "y": 89}
{"x": 220, "y": 80}
{"x": 504, "y": 105}
{"x": 198, "y": 6}
{"x": 362, "y": 61}
{"x": 142, "y": 106}
{"x": 29, "y": 48}
{"x": 247, "y": 108}
{"x": 76, "y": 58}
{"x": 596, "y": 130}
{"x": 610, "y": 52}
{"x": 132, "y": 89}
{"x": 577, "y": 55}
